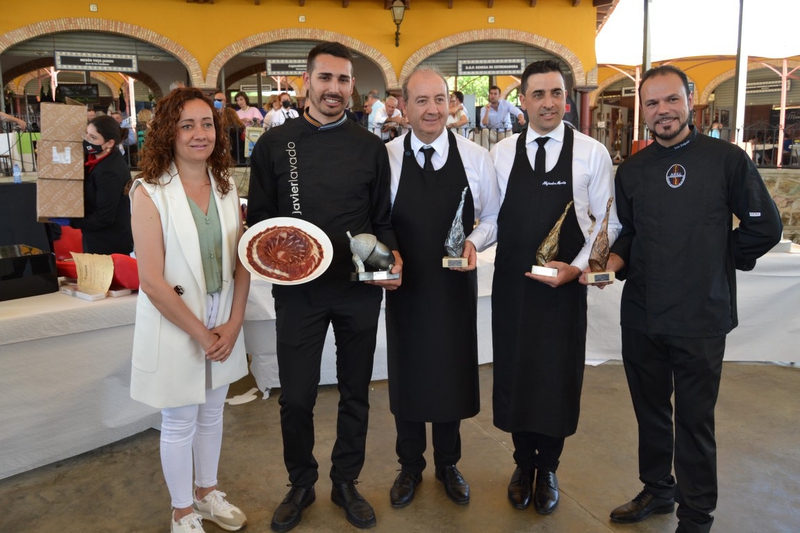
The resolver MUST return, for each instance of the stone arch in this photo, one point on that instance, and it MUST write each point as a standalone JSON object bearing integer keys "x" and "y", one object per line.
{"x": 48, "y": 27}
{"x": 608, "y": 82}
{"x": 725, "y": 76}
{"x": 107, "y": 78}
{"x": 510, "y": 88}
{"x": 305, "y": 34}
{"x": 22, "y": 74}
{"x": 565, "y": 54}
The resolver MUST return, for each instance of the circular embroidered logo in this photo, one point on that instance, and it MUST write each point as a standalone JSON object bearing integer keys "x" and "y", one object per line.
{"x": 676, "y": 175}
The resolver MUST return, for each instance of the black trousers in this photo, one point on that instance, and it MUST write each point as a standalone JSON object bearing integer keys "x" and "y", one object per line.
{"x": 301, "y": 330}
{"x": 537, "y": 451}
{"x": 656, "y": 366}
{"x": 412, "y": 441}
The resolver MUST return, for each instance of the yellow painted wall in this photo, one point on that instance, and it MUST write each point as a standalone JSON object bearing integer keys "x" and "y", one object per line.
{"x": 207, "y": 29}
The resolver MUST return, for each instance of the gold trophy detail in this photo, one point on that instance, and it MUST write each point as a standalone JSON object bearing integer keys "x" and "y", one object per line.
{"x": 598, "y": 259}
{"x": 549, "y": 248}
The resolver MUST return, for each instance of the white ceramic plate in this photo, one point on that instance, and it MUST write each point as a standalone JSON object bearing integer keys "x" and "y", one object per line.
{"x": 308, "y": 227}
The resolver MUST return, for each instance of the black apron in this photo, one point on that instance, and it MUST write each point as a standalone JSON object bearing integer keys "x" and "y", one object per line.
{"x": 431, "y": 319}
{"x": 538, "y": 332}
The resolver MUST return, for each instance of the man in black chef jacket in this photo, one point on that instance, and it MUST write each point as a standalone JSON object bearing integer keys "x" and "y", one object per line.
{"x": 539, "y": 322}
{"x": 327, "y": 170}
{"x": 431, "y": 320}
{"x": 678, "y": 255}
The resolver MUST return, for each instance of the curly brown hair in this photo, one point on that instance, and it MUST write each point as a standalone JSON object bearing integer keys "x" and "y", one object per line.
{"x": 158, "y": 152}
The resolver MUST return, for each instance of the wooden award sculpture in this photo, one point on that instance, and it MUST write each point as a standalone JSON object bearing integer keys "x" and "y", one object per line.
{"x": 454, "y": 244}
{"x": 368, "y": 249}
{"x": 598, "y": 259}
{"x": 549, "y": 248}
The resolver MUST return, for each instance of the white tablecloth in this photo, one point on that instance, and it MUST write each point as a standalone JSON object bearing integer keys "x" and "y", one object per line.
{"x": 769, "y": 320}
{"x": 65, "y": 362}
{"x": 65, "y": 379}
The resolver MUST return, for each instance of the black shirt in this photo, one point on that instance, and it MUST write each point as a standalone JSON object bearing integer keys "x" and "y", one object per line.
{"x": 680, "y": 251}
{"x": 335, "y": 176}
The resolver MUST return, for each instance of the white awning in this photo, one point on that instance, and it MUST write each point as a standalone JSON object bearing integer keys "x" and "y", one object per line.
{"x": 693, "y": 28}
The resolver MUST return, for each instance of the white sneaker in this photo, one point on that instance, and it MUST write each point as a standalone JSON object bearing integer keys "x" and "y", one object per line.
{"x": 215, "y": 508}
{"x": 191, "y": 523}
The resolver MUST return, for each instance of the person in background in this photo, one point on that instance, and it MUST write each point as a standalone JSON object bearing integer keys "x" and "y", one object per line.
{"x": 390, "y": 120}
{"x": 220, "y": 101}
{"x": 456, "y": 117}
{"x": 130, "y": 133}
{"x": 343, "y": 186}
{"x": 5, "y": 117}
{"x": 188, "y": 344}
{"x": 251, "y": 116}
{"x": 678, "y": 254}
{"x": 273, "y": 105}
{"x": 496, "y": 115}
{"x": 90, "y": 114}
{"x": 431, "y": 320}
{"x": 375, "y": 105}
{"x": 539, "y": 322}
{"x": 716, "y": 129}
{"x": 284, "y": 113}
{"x": 233, "y": 127}
{"x": 106, "y": 224}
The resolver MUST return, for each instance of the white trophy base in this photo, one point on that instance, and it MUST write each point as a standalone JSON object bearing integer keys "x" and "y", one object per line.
{"x": 595, "y": 278}
{"x": 544, "y": 271}
{"x": 378, "y": 275}
{"x": 455, "y": 262}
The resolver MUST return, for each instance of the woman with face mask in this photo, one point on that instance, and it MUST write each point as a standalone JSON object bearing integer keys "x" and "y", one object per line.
{"x": 106, "y": 224}
{"x": 284, "y": 112}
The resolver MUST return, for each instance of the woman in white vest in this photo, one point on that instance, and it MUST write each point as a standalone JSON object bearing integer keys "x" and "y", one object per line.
{"x": 188, "y": 345}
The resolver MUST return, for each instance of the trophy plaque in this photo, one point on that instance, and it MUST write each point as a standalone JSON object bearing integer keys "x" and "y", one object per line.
{"x": 548, "y": 250}
{"x": 367, "y": 249}
{"x": 454, "y": 243}
{"x": 598, "y": 259}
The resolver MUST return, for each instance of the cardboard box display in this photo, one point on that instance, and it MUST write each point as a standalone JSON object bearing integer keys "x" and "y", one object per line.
{"x": 59, "y": 160}
{"x": 59, "y": 198}
{"x": 63, "y": 122}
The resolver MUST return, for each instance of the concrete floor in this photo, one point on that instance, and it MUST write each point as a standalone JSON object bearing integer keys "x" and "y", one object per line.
{"x": 119, "y": 488}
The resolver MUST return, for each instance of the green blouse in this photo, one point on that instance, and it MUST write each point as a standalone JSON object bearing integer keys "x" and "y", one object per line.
{"x": 209, "y": 231}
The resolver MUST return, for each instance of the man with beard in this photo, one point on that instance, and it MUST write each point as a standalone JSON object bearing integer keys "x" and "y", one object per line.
{"x": 327, "y": 170}
{"x": 431, "y": 330}
{"x": 539, "y": 322}
{"x": 678, "y": 253}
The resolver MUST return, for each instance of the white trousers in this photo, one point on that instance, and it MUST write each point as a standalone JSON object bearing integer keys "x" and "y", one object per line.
{"x": 192, "y": 434}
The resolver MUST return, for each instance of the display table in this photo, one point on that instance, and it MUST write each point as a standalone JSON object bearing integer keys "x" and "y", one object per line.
{"x": 769, "y": 320}
{"x": 65, "y": 366}
{"x": 65, "y": 362}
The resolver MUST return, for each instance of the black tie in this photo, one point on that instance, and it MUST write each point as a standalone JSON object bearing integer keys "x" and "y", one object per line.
{"x": 541, "y": 156}
{"x": 428, "y": 153}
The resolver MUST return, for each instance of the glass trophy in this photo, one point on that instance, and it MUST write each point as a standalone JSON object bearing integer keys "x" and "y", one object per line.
{"x": 598, "y": 259}
{"x": 367, "y": 249}
{"x": 454, "y": 243}
{"x": 548, "y": 250}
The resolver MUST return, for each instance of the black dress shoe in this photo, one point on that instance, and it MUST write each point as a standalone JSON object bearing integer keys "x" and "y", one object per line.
{"x": 403, "y": 488}
{"x": 545, "y": 495}
{"x": 290, "y": 511}
{"x": 642, "y": 506}
{"x": 521, "y": 488}
{"x": 357, "y": 510}
{"x": 454, "y": 485}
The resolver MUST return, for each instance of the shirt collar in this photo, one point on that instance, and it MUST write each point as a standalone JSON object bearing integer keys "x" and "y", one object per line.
{"x": 557, "y": 134}
{"x": 321, "y": 127}
{"x": 439, "y": 144}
